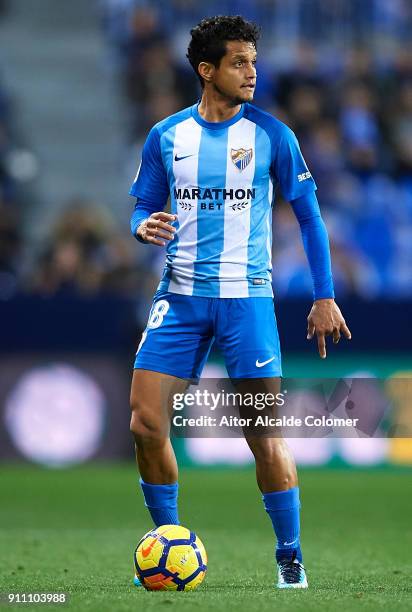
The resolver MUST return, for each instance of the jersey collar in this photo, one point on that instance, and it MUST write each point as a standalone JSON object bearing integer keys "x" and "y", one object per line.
{"x": 216, "y": 125}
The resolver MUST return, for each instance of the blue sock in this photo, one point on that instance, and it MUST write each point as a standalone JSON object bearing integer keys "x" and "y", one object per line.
{"x": 283, "y": 509}
{"x": 161, "y": 500}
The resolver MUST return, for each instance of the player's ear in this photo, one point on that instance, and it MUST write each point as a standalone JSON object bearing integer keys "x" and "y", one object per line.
{"x": 206, "y": 71}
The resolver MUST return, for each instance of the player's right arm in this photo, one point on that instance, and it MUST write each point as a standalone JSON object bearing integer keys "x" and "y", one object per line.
{"x": 149, "y": 223}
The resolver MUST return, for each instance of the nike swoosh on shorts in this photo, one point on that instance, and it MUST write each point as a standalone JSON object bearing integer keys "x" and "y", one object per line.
{"x": 263, "y": 363}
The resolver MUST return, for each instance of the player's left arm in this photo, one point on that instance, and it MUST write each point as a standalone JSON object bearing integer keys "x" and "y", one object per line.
{"x": 298, "y": 187}
{"x": 325, "y": 317}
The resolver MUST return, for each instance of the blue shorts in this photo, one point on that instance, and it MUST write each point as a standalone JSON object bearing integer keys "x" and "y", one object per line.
{"x": 181, "y": 330}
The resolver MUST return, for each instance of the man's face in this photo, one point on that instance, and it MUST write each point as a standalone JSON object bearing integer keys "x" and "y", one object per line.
{"x": 235, "y": 78}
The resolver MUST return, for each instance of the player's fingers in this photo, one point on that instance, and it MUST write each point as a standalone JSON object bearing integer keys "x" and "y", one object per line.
{"x": 321, "y": 344}
{"x": 166, "y": 226}
{"x": 336, "y": 335}
{"x": 311, "y": 330}
{"x": 161, "y": 233}
{"x": 163, "y": 216}
{"x": 155, "y": 228}
{"x": 154, "y": 224}
{"x": 154, "y": 240}
{"x": 346, "y": 331}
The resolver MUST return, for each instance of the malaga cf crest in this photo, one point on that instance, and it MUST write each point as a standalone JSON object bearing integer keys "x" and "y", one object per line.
{"x": 241, "y": 157}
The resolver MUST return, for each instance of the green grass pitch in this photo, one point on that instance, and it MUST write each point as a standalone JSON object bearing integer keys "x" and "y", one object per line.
{"x": 75, "y": 531}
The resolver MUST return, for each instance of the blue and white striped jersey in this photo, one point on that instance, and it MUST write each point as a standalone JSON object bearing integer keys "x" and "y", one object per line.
{"x": 221, "y": 179}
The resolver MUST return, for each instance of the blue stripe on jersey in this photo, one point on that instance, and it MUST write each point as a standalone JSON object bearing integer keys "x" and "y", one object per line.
{"x": 210, "y": 223}
{"x": 166, "y": 145}
{"x": 258, "y": 256}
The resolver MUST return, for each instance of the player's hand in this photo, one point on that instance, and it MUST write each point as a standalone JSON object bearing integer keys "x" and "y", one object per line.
{"x": 157, "y": 228}
{"x": 325, "y": 319}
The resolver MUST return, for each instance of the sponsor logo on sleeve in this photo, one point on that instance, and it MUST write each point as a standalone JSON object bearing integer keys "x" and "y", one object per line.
{"x": 304, "y": 176}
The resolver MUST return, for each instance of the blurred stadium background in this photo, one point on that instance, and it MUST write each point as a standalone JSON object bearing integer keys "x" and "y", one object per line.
{"x": 80, "y": 85}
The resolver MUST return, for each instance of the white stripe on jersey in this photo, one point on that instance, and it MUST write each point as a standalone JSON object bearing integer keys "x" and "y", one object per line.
{"x": 186, "y": 147}
{"x": 234, "y": 259}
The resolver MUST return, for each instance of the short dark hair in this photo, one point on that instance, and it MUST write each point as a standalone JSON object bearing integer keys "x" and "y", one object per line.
{"x": 209, "y": 37}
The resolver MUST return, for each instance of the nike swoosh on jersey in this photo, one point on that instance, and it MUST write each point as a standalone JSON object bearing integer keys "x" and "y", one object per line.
{"x": 180, "y": 157}
{"x": 260, "y": 364}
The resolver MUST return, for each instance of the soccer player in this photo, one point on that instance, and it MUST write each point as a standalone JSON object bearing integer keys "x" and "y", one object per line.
{"x": 219, "y": 161}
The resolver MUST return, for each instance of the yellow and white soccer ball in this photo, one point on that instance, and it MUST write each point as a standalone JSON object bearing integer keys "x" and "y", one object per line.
{"x": 170, "y": 558}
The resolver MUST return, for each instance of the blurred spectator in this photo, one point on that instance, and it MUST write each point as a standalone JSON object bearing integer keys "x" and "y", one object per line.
{"x": 85, "y": 255}
{"x": 402, "y": 132}
{"x": 6, "y": 180}
{"x": 10, "y": 251}
{"x": 359, "y": 128}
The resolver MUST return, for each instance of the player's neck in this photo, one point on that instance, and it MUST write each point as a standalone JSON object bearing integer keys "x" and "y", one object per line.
{"x": 214, "y": 108}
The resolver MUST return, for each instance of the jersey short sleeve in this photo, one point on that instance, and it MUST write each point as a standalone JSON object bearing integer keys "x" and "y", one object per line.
{"x": 150, "y": 183}
{"x": 289, "y": 167}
